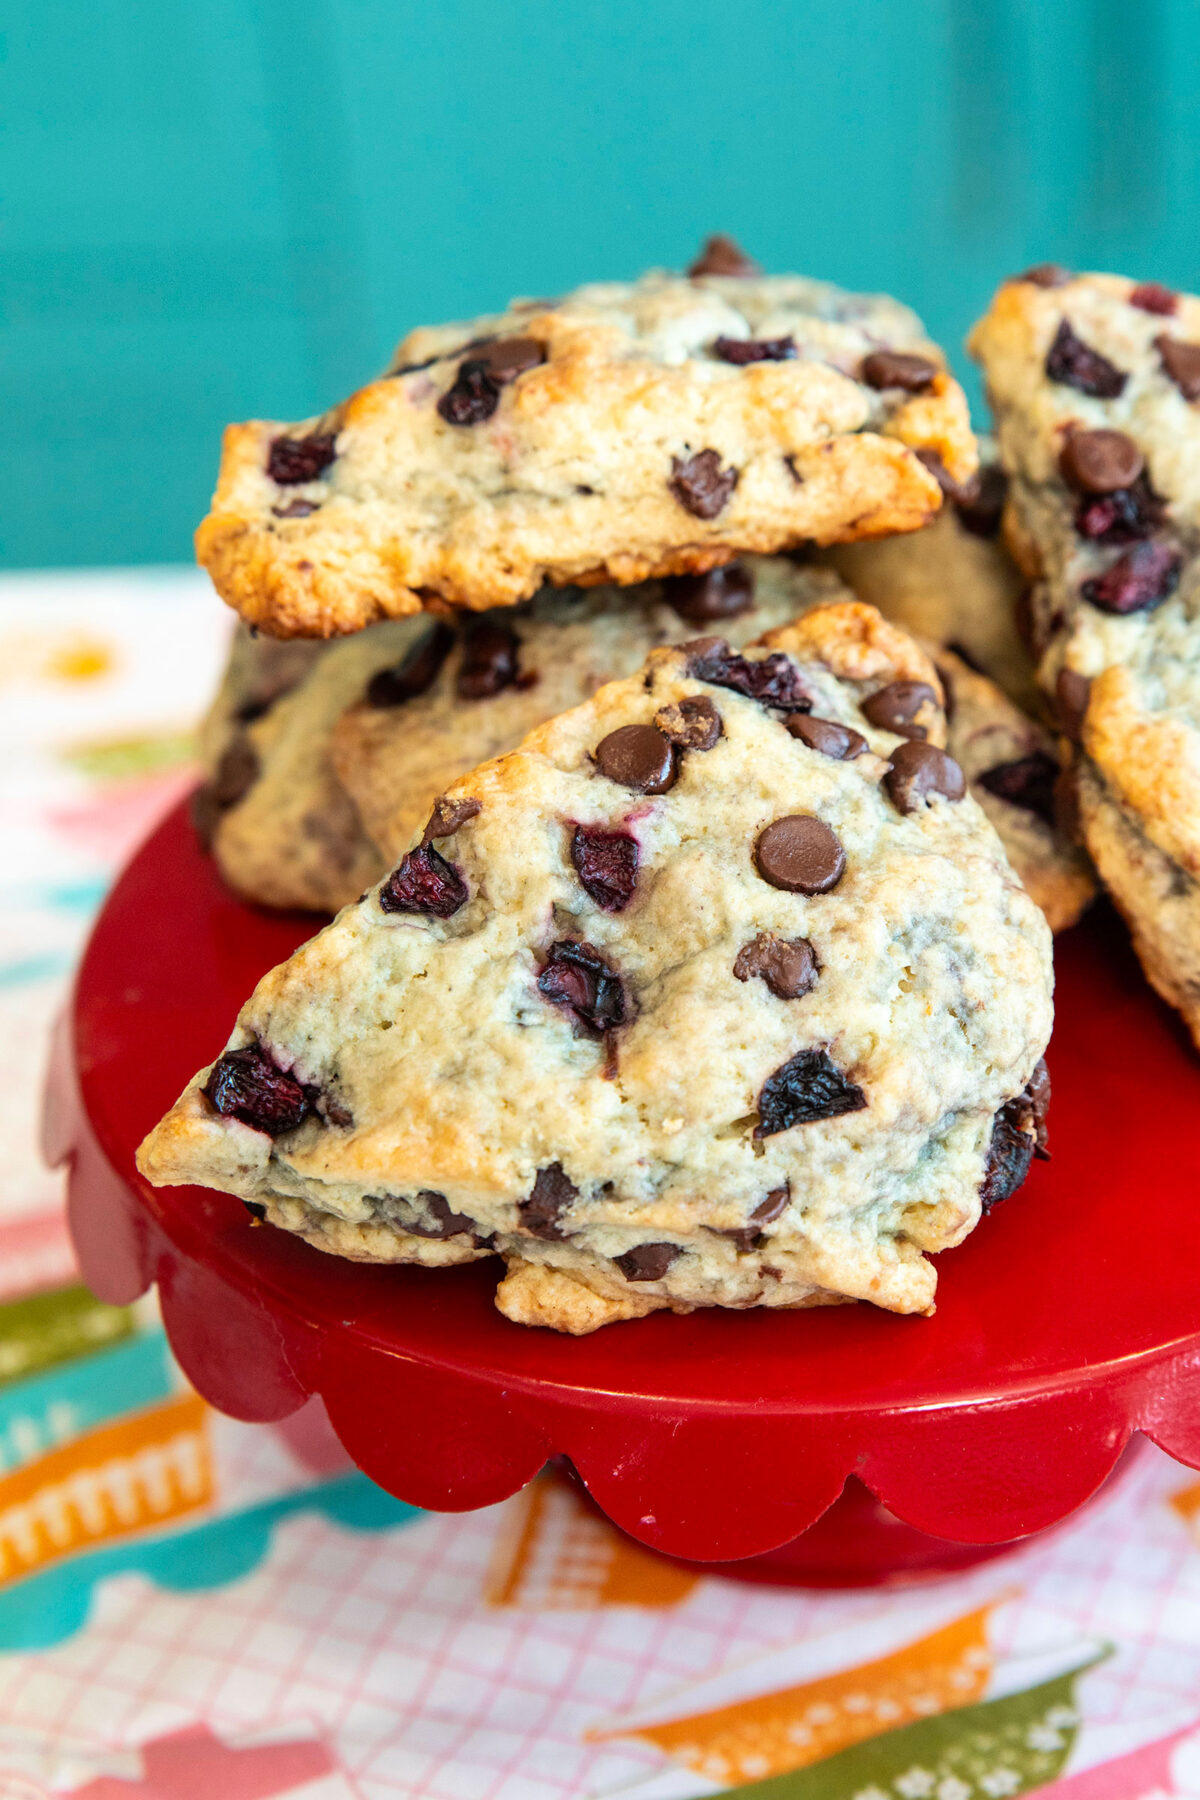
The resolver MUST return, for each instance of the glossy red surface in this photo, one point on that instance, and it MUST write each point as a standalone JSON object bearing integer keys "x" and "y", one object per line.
{"x": 1070, "y": 1318}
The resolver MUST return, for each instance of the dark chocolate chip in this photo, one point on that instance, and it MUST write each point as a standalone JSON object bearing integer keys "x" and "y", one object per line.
{"x": 772, "y": 680}
{"x": 827, "y": 736}
{"x": 295, "y": 509}
{"x": 638, "y": 756}
{"x": 1100, "y": 462}
{"x": 1072, "y": 691}
{"x": 754, "y": 350}
{"x": 699, "y": 483}
{"x": 257, "y": 1211}
{"x": 247, "y": 1085}
{"x": 647, "y": 1262}
{"x": 1046, "y": 275}
{"x": 807, "y": 1087}
{"x": 980, "y": 504}
{"x": 919, "y": 772}
{"x": 1027, "y": 781}
{"x": 416, "y": 672}
{"x": 489, "y": 659}
{"x": 1153, "y": 297}
{"x": 1140, "y": 579}
{"x": 1018, "y": 1133}
{"x": 236, "y": 772}
{"x": 941, "y": 474}
{"x": 607, "y": 865}
{"x": 1123, "y": 517}
{"x": 801, "y": 854}
{"x": 577, "y": 976}
{"x": 894, "y": 708}
{"x": 473, "y": 398}
{"x": 436, "y": 1220}
{"x": 691, "y": 724}
{"x": 898, "y": 369}
{"x": 506, "y": 358}
{"x": 1181, "y": 361}
{"x": 749, "y": 1236}
{"x": 721, "y": 256}
{"x": 424, "y": 882}
{"x": 720, "y": 594}
{"x": 292, "y": 460}
{"x": 1075, "y": 364}
{"x": 447, "y": 816}
{"x": 551, "y": 1194}
{"x": 787, "y": 965}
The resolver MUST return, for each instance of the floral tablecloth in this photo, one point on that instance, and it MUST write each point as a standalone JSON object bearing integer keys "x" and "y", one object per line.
{"x": 193, "y": 1607}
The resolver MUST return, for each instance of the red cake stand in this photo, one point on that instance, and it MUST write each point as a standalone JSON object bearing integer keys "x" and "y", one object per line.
{"x": 1069, "y": 1320}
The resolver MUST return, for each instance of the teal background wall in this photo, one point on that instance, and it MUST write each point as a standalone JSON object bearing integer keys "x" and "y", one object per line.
{"x": 225, "y": 208}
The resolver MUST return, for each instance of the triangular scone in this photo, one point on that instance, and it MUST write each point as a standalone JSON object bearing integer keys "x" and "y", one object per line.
{"x": 628, "y": 430}
{"x": 712, "y": 993}
{"x": 1095, "y": 384}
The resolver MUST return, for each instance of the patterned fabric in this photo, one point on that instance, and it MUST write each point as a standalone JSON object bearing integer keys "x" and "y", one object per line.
{"x": 192, "y": 1606}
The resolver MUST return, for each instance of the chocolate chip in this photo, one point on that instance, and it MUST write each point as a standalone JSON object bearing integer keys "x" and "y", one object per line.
{"x": 578, "y": 977}
{"x": 506, "y": 358}
{"x": 473, "y": 398}
{"x": 721, "y": 256}
{"x": 919, "y": 772}
{"x": 1153, "y": 297}
{"x": 1027, "y": 781}
{"x": 807, "y": 1087}
{"x": 754, "y": 350}
{"x": 647, "y": 1262}
{"x": 424, "y": 882}
{"x": 1075, "y": 364}
{"x": 1072, "y": 691}
{"x": 827, "y": 736}
{"x": 447, "y": 816}
{"x": 1011, "y": 1150}
{"x": 1100, "y": 462}
{"x": 787, "y": 965}
{"x": 772, "y": 680}
{"x": 436, "y": 1220}
{"x": 416, "y": 672}
{"x": 801, "y": 854}
{"x": 257, "y": 1211}
{"x": 247, "y": 1085}
{"x": 749, "y": 1236}
{"x": 489, "y": 659}
{"x": 1122, "y": 517}
{"x": 898, "y": 369}
{"x": 894, "y": 708}
{"x": 720, "y": 594}
{"x": 607, "y": 864}
{"x": 236, "y": 772}
{"x": 1181, "y": 361}
{"x": 699, "y": 483}
{"x": 551, "y": 1194}
{"x": 291, "y": 460}
{"x": 1140, "y": 579}
{"x": 691, "y": 724}
{"x": 980, "y": 505}
{"x": 638, "y": 756}
{"x": 1046, "y": 275}
{"x": 295, "y": 509}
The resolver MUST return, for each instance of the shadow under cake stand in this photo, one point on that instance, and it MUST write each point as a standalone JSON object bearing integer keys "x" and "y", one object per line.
{"x": 832, "y": 1447}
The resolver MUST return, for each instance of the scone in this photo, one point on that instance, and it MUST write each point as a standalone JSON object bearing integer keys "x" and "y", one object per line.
{"x": 325, "y": 758}
{"x": 1012, "y": 767}
{"x": 625, "y": 431}
{"x": 718, "y": 991}
{"x": 954, "y": 581}
{"x": 1095, "y": 382}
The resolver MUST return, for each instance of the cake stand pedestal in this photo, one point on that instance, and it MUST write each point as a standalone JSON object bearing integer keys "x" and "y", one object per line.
{"x": 827, "y": 1447}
